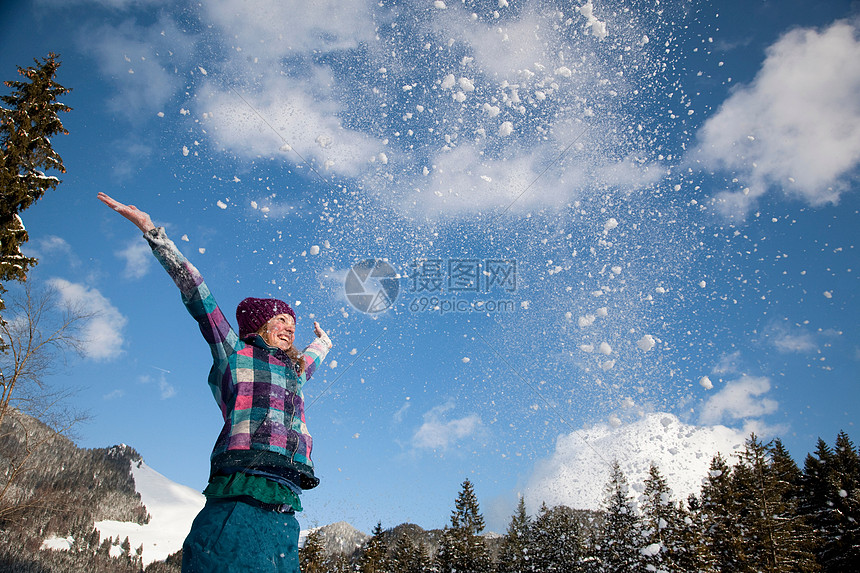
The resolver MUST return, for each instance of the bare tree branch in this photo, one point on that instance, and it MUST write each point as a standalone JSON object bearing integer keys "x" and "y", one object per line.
{"x": 36, "y": 334}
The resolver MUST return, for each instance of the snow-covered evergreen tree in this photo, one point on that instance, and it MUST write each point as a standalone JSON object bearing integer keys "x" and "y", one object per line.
{"x": 696, "y": 555}
{"x": 312, "y": 555}
{"x": 831, "y": 503}
{"x": 374, "y": 555}
{"x": 670, "y": 542}
{"x": 408, "y": 556}
{"x": 558, "y": 540}
{"x": 462, "y": 549}
{"x": 845, "y": 476}
{"x": 516, "y": 552}
{"x": 794, "y": 538}
{"x": 620, "y": 538}
{"x": 774, "y": 538}
{"x": 719, "y": 515}
{"x": 29, "y": 118}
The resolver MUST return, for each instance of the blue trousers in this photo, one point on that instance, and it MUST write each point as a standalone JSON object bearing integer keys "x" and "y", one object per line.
{"x": 235, "y": 537}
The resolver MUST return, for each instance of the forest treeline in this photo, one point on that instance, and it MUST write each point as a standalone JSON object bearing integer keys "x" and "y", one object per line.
{"x": 762, "y": 514}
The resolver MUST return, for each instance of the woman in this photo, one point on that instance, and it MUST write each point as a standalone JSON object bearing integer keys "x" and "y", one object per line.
{"x": 262, "y": 458}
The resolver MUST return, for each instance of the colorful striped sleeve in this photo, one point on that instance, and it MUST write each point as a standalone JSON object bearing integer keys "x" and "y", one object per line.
{"x": 196, "y": 296}
{"x": 314, "y": 354}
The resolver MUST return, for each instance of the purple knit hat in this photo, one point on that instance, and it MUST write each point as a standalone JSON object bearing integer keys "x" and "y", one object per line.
{"x": 252, "y": 313}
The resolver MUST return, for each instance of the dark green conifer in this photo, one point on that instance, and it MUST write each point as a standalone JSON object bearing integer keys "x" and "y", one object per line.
{"x": 670, "y": 542}
{"x": 831, "y": 503}
{"x": 408, "y": 556}
{"x": 374, "y": 557}
{"x": 312, "y": 555}
{"x": 719, "y": 516}
{"x": 794, "y": 538}
{"x": 29, "y": 118}
{"x": 516, "y": 552}
{"x": 462, "y": 549}
{"x": 620, "y": 538}
{"x": 845, "y": 550}
{"x": 774, "y": 536}
{"x": 558, "y": 541}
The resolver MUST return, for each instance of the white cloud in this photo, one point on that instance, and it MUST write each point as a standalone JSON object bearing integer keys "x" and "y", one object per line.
{"x": 102, "y": 332}
{"x": 728, "y": 363}
{"x": 138, "y": 257}
{"x": 48, "y": 246}
{"x": 465, "y": 179}
{"x": 438, "y": 433}
{"x": 130, "y": 158}
{"x": 309, "y": 126}
{"x": 114, "y": 394}
{"x": 790, "y": 339}
{"x": 400, "y": 413}
{"x": 54, "y": 244}
{"x": 165, "y": 389}
{"x": 796, "y": 126}
{"x": 739, "y": 400}
{"x": 577, "y": 471}
{"x": 322, "y": 25}
{"x": 140, "y": 60}
{"x": 526, "y": 43}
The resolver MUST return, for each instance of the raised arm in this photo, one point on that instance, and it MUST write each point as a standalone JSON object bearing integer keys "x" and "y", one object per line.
{"x": 196, "y": 297}
{"x": 315, "y": 353}
{"x": 195, "y": 294}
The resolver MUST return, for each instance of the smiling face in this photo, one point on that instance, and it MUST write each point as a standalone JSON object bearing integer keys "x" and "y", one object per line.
{"x": 279, "y": 332}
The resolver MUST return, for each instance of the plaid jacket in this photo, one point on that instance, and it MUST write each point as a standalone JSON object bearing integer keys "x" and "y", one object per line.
{"x": 255, "y": 385}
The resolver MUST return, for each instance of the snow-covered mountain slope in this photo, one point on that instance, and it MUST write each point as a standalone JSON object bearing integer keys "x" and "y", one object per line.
{"x": 340, "y": 537}
{"x": 172, "y": 507}
{"x": 577, "y": 472}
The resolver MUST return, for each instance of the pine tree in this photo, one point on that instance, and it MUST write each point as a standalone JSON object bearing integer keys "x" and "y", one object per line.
{"x": 775, "y": 539}
{"x": 845, "y": 552}
{"x": 336, "y": 563}
{"x": 815, "y": 502}
{"x": 558, "y": 541}
{"x": 719, "y": 517}
{"x": 462, "y": 550}
{"x": 516, "y": 555}
{"x": 755, "y": 503}
{"x": 374, "y": 556}
{"x": 312, "y": 555}
{"x": 697, "y": 556}
{"x": 620, "y": 539}
{"x": 26, "y": 128}
{"x": 794, "y": 537}
{"x": 466, "y": 514}
{"x": 831, "y": 503}
{"x": 125, "y": 546}
{"x": 408, "y": 556}
{"x": 670, "y": 542}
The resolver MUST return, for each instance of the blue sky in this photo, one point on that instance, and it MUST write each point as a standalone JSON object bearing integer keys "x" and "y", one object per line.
{"x": 674, "y": 183}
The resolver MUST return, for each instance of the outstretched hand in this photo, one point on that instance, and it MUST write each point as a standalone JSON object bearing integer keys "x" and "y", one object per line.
{"x": 139, "y": 218}
{"x": 320, "y": 332}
